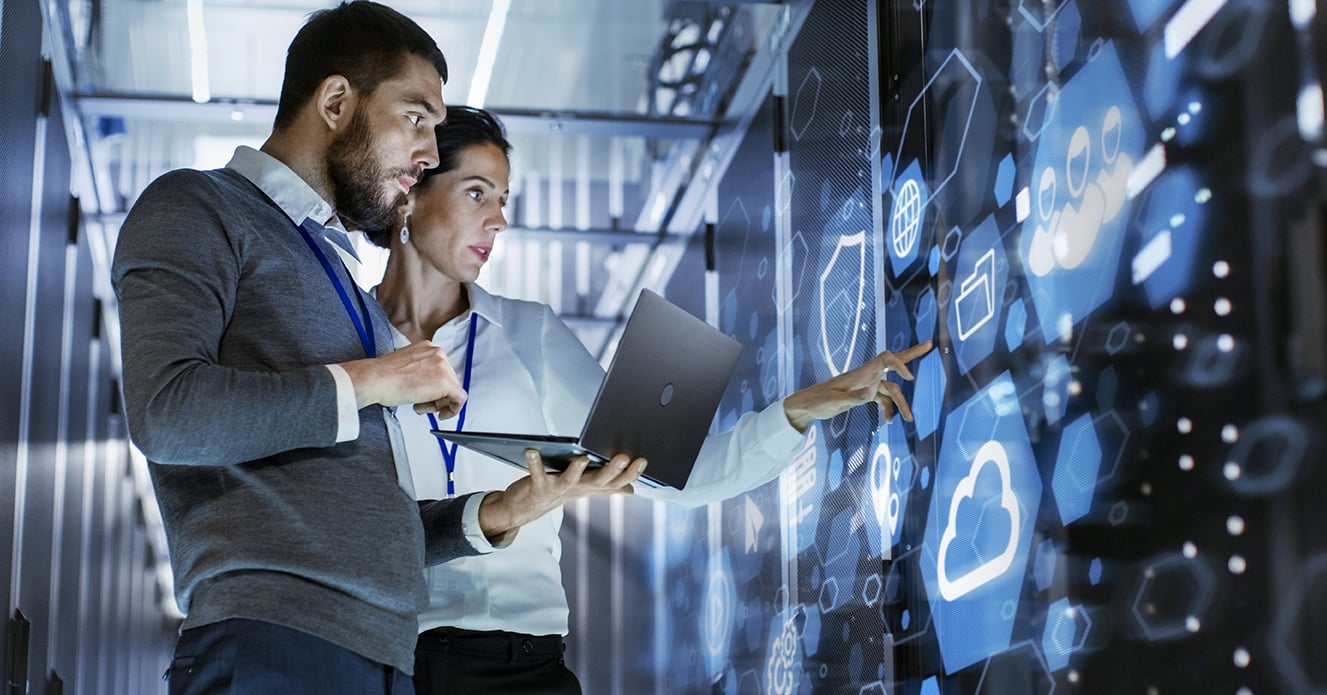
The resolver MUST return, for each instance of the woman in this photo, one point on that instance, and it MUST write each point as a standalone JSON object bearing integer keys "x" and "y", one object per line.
{"x": 495, "y": 622}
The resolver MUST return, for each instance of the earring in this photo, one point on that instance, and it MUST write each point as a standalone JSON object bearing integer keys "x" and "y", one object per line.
{"x": 405, "y": 235}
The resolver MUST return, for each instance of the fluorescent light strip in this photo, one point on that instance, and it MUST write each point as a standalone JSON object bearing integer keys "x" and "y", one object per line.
{"x": 1151, "y": 257}
{"x": 1302, "y": 12}
{"x": 1191, "y": 18}
{"x": 1148, "y": 169}
{"x": 488, "y": 53}
{"x": 202, "y": 90}
{"x": 1309, "y": 108}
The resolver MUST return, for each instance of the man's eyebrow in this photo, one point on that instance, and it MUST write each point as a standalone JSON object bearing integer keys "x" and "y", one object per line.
{"x": 423, "y": 103}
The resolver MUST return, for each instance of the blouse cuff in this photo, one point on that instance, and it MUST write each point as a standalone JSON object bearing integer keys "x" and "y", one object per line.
{"x": 475, "y": 534}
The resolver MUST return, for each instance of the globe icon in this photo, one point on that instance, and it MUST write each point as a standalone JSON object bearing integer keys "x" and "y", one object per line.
{"x": 906, "y": 221}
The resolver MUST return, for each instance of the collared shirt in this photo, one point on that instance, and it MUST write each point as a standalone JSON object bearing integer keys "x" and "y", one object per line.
{"x": 531, "y": 374}
{"x": 304, "y": 206}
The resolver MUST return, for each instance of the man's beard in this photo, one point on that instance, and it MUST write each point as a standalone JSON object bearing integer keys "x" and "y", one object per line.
{"x": 357, "y": 180}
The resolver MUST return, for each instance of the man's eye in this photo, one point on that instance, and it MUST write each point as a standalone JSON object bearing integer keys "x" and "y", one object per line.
{"x": 415, "y": 119}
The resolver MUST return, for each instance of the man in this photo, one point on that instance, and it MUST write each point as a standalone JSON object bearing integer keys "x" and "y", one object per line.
{"x": 260, "y": 381}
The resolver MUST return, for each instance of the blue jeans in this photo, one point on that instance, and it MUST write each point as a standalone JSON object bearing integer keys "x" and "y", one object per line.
{"x": 257, "y": 658}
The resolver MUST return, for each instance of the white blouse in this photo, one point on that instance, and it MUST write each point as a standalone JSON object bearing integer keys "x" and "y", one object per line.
{"x": 531, "y": 374}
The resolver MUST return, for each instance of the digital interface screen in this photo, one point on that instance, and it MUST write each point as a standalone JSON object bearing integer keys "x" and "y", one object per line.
{"x": 1107, "y": 215}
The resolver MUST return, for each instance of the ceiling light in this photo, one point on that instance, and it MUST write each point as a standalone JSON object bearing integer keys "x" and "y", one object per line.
{"x": 488, "y": 53}
{"x": 202, "y": 91}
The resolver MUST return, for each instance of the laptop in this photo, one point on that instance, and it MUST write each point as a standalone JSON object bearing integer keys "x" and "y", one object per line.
{"x": 657, "y": 400}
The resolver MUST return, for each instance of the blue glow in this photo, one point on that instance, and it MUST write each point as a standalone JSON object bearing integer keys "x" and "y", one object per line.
{"x": 898, "y": 329}
{"x": 1094, "y": 571}
{"x": 811, "y": 630}
{"x": 1068, "y": 24}
{"x": 907, "y": 219}
{"x": 980, "y": 276}
{"x": 1058, "y": 638}
{"x": 1043, "y": 565}
{"x": 928, "y": 394}
{"x": 1147, "y": 12}
{"x": 1071, "y": 243}
{"x": 1016, "y": 325}
{"x": 1004, "y": 181}
{"x": 987, "y": 494}
{"x": 1173, "y": 199}
{"x": 891, "y": 473}
{"x": 1076, "y": 469}
{"x": 1055, "y": 393}
{"x": 717, "y": 611}
{"x": 809, "y": 486}
{"x": 926, "y": 312}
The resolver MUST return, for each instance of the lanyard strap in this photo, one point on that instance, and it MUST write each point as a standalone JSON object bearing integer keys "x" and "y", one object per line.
{"x": 449, "y": 453}
{"x": 363, "y": 328}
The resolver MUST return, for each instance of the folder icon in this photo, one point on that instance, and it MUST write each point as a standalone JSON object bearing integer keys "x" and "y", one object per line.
{"x": 975, "y": 304}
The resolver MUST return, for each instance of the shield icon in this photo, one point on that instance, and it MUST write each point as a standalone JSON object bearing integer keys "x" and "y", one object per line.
{"x": 851, "y": 254}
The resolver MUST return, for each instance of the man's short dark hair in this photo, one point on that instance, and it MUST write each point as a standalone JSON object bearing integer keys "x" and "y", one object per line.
{"x": 363, "y": 41}
{"x": 465, "y": 127}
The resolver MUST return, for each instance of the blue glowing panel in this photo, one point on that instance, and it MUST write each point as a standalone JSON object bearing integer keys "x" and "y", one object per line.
{"x": 926, "y": 315}
{"x": 891, "y": 473}
{"x": 898, "y": 329}
{"x": 980, "y": 277}
{"x": 716, "y": 616}
{"x": 928, "y": 394}
{"x": 1147, "y": 12}
{"x": 987, "y": 494}
{"x": 906, "y": 218}
{"x": 809, "y": 466}
{"x": 1076, "y": 469}
{"x": 1043, "y": 565}
{"x": 1066, "y": 630}
{"x": 1071, "y": 242}
{"x": 1055, "y": 389}
{"x": 1172, "y": 228}
{"x": 1004, "y": 180}
{"x": 1015, "y": 325}
{"x": 1065, "y": 38}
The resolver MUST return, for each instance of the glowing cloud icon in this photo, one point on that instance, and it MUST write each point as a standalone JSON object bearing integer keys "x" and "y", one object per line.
{"x": 991, "y": 453}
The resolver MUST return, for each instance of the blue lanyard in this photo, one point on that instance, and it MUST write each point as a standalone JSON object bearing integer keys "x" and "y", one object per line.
{"x": 449, "y": 453}
{"x": 365, "y": 327}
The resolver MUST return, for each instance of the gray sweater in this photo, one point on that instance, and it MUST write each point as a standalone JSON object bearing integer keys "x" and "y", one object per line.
{"x": 228, "y": 321}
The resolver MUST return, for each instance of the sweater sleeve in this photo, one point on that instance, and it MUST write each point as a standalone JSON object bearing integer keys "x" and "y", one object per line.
{"x": 176, "y": 275}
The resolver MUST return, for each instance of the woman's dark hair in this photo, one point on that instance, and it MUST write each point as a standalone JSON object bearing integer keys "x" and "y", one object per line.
{"x": 361, "y": 40}
{"x": 465, "y": 127}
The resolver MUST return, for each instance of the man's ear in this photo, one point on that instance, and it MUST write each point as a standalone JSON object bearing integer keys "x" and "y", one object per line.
{"x": 335, "y": 101}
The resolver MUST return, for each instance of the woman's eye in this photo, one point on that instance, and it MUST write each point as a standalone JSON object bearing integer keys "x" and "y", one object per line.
{"x": 475, "y": 194}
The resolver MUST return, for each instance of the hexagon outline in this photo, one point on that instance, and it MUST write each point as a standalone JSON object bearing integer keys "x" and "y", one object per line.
{"x": 967, "y": 124}
{"x": 1290, "y": 667}
{"x": 1040, "y": 658}
{"x": 797, "y": 98}
{"x": 1202, "y": 599}
{"x": 1037, "y": 23}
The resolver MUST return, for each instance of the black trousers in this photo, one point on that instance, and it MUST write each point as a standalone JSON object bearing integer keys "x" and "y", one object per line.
{"x": 449, "y": 661}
